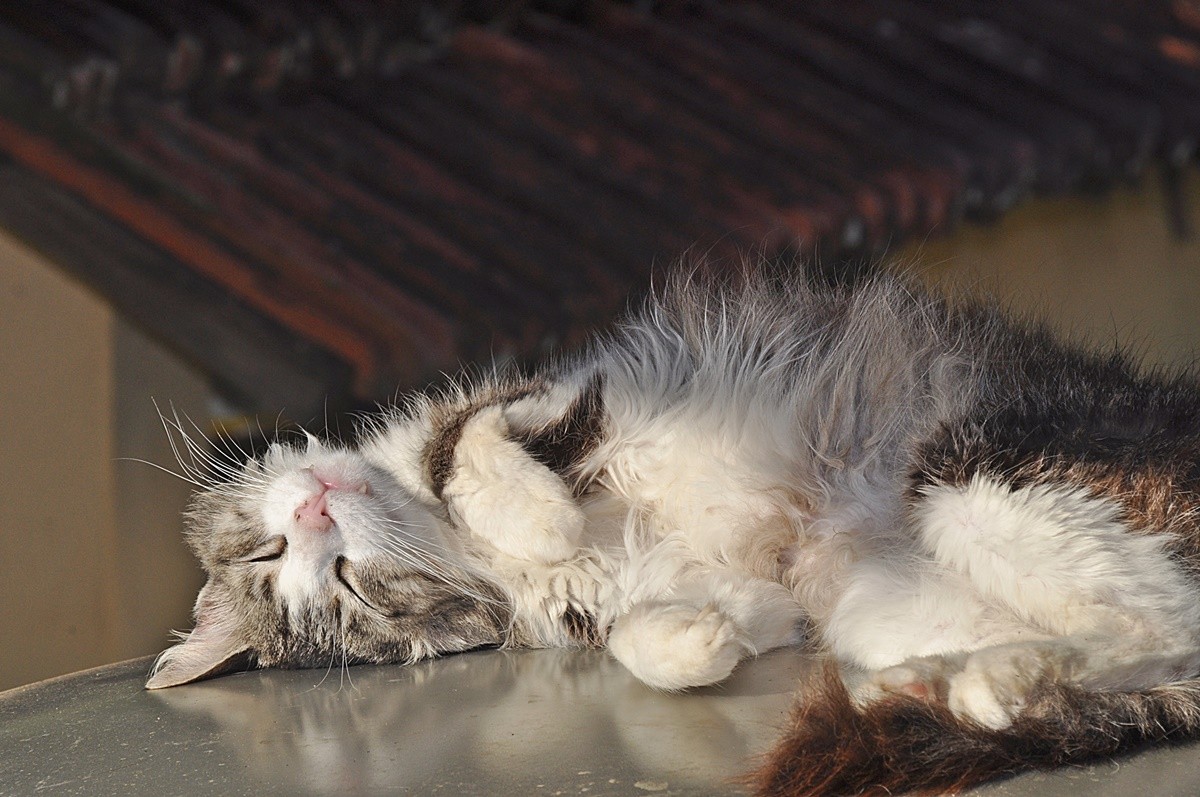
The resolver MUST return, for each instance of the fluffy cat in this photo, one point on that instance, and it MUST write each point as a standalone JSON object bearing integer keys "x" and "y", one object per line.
{"x": 993, "y": 533}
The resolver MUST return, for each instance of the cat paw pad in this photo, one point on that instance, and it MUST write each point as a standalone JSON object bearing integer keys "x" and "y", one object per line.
{"x": 924, "y": 678}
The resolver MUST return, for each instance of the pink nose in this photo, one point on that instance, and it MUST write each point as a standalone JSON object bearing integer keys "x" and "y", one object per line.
{"x": 313, "y": 514}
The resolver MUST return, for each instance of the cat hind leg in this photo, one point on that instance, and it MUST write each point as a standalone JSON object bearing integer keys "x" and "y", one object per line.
{"x": 989, "y": 687}
{"x": 1061, "y": 559}
{"x": 994, "y": 685}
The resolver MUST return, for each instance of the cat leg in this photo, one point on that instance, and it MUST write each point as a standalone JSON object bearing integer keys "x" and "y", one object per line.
{"x": 515, "y": 464}
{"x": 703, "y": 628}
{"x": 675, "y": 646}
{"x": 912, "y": 625}
{"x": 990, "y": 686}
{"x": 1115, "y": 612}
{"x": 993, "y": 685}
{"x": 898, "y": 606}
{"x": 506, "y": 498}
{"x": 1062, "y": 559}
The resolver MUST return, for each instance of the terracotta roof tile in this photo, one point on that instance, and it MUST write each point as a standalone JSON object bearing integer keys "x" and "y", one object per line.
{"x": 333, "y": 199}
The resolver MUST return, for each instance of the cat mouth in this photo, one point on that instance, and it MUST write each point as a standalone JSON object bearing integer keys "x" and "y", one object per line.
{"x": 330, "y": 481}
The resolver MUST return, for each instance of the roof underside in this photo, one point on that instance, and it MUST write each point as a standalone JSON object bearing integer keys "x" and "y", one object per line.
{"x": 317, "y": 199}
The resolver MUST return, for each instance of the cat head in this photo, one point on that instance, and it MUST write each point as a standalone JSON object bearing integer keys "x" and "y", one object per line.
{"x": 317, "y": 558}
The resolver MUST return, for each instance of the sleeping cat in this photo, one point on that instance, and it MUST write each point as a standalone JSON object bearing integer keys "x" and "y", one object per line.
{"x": 994, "y": 534}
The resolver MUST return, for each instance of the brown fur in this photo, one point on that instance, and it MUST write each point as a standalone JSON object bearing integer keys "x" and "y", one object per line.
{"x": 439, "y": 451}
{"x": 439, "y": 454}
{"x": 904, "y": 745}
{"x": 582, "y": 629}
{"x": 565, "y": 444}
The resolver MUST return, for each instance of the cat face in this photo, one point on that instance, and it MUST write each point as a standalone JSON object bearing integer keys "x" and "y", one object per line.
{"x": 317, "y": 558}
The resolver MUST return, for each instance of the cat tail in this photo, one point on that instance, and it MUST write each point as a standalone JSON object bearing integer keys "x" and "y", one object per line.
{"x": 906, "y": 745}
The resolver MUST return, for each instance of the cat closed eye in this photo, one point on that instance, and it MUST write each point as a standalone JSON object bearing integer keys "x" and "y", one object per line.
{"x": 269, "y": 552}
{"x": 343, "y": 577}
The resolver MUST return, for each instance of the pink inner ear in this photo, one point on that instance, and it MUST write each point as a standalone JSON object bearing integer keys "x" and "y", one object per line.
{"x": 203, "y": 654}
{"x": 208, "y": 611}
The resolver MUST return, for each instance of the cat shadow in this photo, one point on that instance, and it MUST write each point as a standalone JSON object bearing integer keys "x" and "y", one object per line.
{"x": 475, "y": 721}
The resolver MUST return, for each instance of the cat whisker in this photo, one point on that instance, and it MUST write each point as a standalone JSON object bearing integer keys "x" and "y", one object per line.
{"x": 419, "y": 553}
{"x": 235, "y": 454}
{"x": 207, "y": 458}
{"x": 430, "y": 565}
{"x": 333, "y": 650}
{"x": 166, "y": 470}
{"x": 195, "y": 474}
{"x": 345, "y": 674}
{"x": 433, "y": 566}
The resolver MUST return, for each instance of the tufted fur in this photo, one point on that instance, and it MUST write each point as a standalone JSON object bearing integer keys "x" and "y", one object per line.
{"x": 995, "y": 531}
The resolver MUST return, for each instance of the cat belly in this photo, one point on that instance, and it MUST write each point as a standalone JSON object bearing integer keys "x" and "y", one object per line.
{"x": 681, "y": 486}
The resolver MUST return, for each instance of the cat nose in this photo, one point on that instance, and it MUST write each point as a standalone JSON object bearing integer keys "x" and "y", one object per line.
{"x": 313, "y": 513}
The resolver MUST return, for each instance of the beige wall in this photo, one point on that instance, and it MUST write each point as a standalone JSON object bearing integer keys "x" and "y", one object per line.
{"x": 92, "y": 566}
{"x": 158, "y": 577}
{"x": 58, "y": 523}
{"x": 1101, "y": 268}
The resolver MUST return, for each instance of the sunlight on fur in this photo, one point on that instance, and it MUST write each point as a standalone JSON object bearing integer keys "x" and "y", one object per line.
{"x": 992, "y": 534}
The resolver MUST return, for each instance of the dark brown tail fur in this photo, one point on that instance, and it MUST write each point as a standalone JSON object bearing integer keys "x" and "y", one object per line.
{"x": 905, "y": 745}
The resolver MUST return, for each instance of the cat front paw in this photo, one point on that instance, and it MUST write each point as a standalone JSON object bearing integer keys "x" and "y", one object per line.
{"x": 674, "y": 647}
{"x": 509, "y": 500}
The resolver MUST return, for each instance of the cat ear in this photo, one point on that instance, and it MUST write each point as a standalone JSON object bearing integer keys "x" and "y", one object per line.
{"x": 213, "y": 647}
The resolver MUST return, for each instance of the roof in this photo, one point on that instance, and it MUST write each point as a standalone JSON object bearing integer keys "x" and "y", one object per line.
{"x": 330, "y": 200}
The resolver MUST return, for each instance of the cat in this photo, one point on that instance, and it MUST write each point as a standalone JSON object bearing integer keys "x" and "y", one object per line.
{"x": 992, "y": 533}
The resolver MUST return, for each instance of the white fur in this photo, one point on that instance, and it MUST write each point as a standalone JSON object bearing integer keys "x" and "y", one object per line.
{"x": 507, "y": 498}
{"x": 365, "y": 508}
{"x": 398, "y": 446}
{"x": 542, "y": 408}
{"x": 1061, "y": 559}
{"x": 751, "y": 480}
{"x": 1031, "y": 583}
{"x": 695, "y": 632}
{"x": 730, "y": 482}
